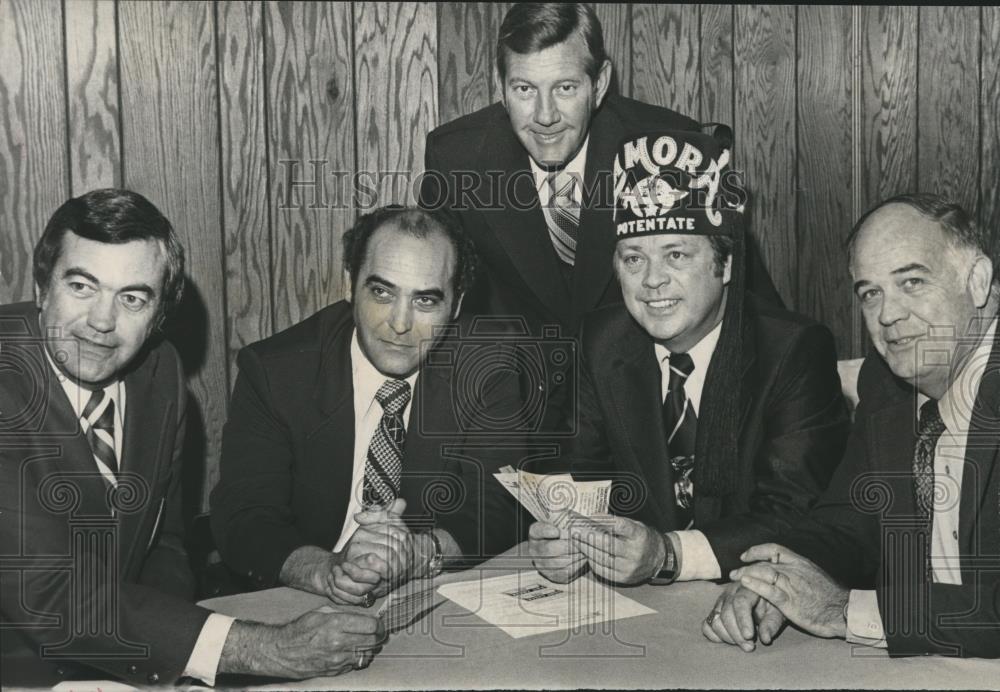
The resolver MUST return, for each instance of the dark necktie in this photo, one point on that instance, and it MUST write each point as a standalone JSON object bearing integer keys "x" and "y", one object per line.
{"x": 562, "y": 215}
{"x": 929, "y": 430}
{"x": 681, "y": 424}
{"x": 98, "y": 424}
{"x": 384, "y": 466}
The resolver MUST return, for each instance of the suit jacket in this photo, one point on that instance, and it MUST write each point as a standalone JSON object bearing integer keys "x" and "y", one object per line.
{"x": 865, "y": 533}
{"x": 477, "y": 167}
{"x": 792, "y": 432}
{"x": 62, "y": 551}
{"x": 288, "y": 449}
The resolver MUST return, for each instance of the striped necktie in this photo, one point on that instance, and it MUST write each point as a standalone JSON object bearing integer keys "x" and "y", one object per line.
{"x": 384, "y": 466}
{"x": 681, "y": 425}
{"x": 98, "y": 424}
{"x": 562, "y": 215}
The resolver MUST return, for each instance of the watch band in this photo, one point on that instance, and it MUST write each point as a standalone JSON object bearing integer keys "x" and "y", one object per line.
{"x": 667, "y": 573}
{"x": 436, "y": 564}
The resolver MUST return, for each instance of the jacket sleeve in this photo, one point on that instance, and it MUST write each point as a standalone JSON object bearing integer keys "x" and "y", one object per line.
{"x": 251, "y": 503}
{"x": 805, "y": 428}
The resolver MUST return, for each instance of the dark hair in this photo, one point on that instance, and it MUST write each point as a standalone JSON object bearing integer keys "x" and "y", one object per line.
{"x": 418, "y": 223}
{"x": 954, "y": 220}
{"x": 116, "y": 217}
{"x": 722, "y": 249}
{"x": 530, "y": 27}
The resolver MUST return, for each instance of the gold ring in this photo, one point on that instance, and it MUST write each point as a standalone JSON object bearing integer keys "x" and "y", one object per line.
{"x": 369, "y": 600}
{"x": 359, "y": 660}
{"x": 711, "y": 617}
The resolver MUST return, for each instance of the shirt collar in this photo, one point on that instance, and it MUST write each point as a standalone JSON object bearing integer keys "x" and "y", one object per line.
{"x": 956, "y": 404}
{"x": 79, "y": 396}
{"x": 366, "y": 377}
{"x": 575, "y": 166}
{"x": 701, "y": 352}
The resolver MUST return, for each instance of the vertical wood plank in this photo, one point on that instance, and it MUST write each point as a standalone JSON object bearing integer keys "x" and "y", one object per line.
{"x": 92, "y": 90}
{"x": 395, "y": 47}
{"x": 888, "y": 103}
{"x": 948, "y": 135}
{"x": 33, "y": 175}
{"x": 245, "y": 215}
{"x": 310, "y": 119}
{"x": 500, "y": 10}
{"x": 170, "y": 152}
{"x": 666, "y": 52}
{"x": 764, "y": 51}
{"x": 616, "y": 23}
{"x": 717, "y": 65}
{"x": 989, "y": 199}
{"x": 825, "y": 176}
{"x": 467, "y": 34}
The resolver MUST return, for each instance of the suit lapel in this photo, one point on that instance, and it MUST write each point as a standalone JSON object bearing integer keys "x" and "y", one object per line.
{"x": 519, "y": 224}
{"x": 980, "y": 454}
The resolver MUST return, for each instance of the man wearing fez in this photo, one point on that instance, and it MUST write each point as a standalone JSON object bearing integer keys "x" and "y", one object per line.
{"x": 903, "y": 550}
{"x": 336, "y": 476}
{"x": 720, "y": 419}
{"x": 528, "y": 176}
{"x": 95, "y": 581}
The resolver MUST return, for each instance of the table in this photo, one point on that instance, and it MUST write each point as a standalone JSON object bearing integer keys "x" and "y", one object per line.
{"x": 452, "y": 648}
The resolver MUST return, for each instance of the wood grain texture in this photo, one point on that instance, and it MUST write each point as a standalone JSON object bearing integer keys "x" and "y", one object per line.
{"x": 245, "y": 215}
{"x": 888, "y": 103}
{"x": 616, "y": 23}
{"x": 989, "y": 190}
{"x": 33, "y": 175}
{"x": 825, "y": 175}
{"x": 396, "y": 67}
{"x": 666, "y": 56}
{"x": 467, "y": 34}
{"x": 948, "y": 136}
{"x": 764, "y": 51}
{"x": 717, "y": 65}
{"x": 92, "y": 81}
{"x": 171, "y": 155}
{"x": 310, "y": 119}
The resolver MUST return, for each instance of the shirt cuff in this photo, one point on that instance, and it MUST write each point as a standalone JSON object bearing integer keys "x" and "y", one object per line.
{"x": 697, "y": 559}
{"x": 864, "y": 622}
{"x": 204, "y": 661}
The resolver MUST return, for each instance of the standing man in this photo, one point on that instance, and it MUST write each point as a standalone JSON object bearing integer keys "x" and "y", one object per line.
{"x": 720, "y": 418}
{"x": 94, "y": 580}
{"x": 904, "y": 548}
{"x": 342, "y": 471}
{"x": 529, "y": 176}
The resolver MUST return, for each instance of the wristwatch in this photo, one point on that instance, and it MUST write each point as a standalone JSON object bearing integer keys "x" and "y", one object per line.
{"x": 668, "y": 571}
{"x": 436, "y": 563}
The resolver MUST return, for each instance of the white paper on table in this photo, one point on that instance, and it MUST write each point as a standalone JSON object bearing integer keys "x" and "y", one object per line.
{"x": 526, "y": 603}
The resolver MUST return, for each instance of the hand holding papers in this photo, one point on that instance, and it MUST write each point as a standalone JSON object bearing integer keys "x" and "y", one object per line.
{"x": 548, "y": 497}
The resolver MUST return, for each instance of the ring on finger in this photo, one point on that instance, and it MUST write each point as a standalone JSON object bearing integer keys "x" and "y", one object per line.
{"x": 368, "y": 600}
{"x": 359, "y": 659}
{"x": 774, "y": 579}
{"x": 711, "y": 617}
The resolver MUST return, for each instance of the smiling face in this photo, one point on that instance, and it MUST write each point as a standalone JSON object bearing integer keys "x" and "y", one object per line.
{"x": 671, "y": 286}
{"x": 404, "y": 290}
{"x": 550, "y": 99}
{"x": 102, "y": 304}
{"x": 919, "y": 294}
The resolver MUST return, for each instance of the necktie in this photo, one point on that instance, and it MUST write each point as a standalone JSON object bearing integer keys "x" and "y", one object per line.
{"x": 681, "y": 424}
{"x": 562, "y": 215}
{"x": 929, "y": 430}
{"x": 98, "y": 424}
{"x": 384, "y": 466}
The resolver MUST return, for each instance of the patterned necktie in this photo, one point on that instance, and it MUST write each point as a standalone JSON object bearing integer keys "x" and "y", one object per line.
{"x": 98, "y": 424}
{"x": 562, "y": 215}
{"x": 681, "y": 424}
{"x": 929, "y": 430}
{"x": 385, "y": 453}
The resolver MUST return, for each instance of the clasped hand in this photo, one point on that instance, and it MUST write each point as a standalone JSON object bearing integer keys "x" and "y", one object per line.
{"x": 776, "y": 586}
{"x": 615, "y": 548}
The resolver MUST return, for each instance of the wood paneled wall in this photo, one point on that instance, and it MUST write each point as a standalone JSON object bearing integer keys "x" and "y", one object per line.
{"x": 220, "y": 111}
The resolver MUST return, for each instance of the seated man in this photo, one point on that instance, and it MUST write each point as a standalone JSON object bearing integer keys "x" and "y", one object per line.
{"x": 94, "y": 581}
{"x": 340, "y": 473}
{"x": 903, "y": 550}
{"x": 723, "y": 415}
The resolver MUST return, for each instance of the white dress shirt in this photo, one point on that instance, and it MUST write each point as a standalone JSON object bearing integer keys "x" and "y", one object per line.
{"x": 203, "y": 663}
{"x": 575, "y": 168}
{"x": 864, "y": 621}
{"x": 367, "y": 413}
{"x": 695, "y": 554}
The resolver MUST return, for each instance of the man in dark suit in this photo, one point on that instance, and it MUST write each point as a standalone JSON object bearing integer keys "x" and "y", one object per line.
{"x": 529, "y": 176}
{"x": 94, "y": 581}
{"x": 309, "y": 495}
{"x": 721, "y": 419}
{"x": 903, "y": 550}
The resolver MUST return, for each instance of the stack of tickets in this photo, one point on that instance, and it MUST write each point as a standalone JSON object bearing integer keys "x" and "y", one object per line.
{"x": 547, "y": 497}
